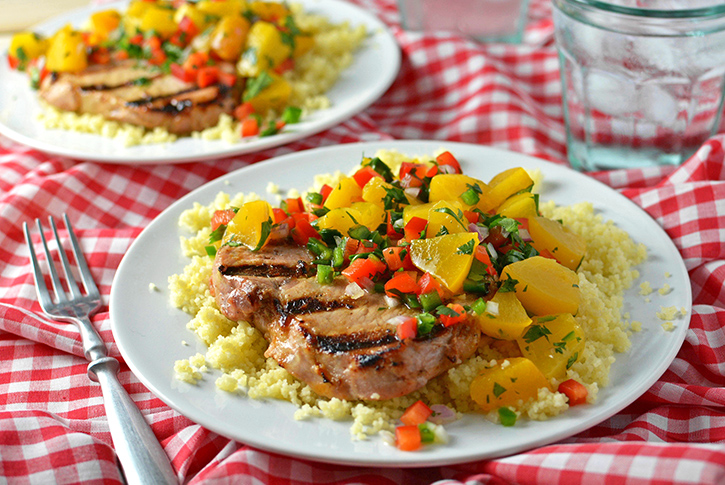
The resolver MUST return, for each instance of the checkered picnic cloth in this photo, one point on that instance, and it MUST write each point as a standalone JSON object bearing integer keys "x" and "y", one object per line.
{"x": 52, "y": 423}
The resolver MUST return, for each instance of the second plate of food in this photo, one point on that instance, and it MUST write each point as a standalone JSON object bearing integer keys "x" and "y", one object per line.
{"x": 373, "y": 69}
{"x": 152, "y": 335}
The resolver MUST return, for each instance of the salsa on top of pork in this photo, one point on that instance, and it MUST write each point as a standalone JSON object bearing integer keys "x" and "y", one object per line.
{"x": 174, "y": 64}
{"x": 370, "y": 288}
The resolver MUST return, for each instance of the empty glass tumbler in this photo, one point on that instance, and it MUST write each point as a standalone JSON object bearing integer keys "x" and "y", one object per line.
{"x": 642, "y": 80}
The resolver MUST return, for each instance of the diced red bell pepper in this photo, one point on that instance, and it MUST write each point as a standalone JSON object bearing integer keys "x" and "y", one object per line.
{"x": 401, "y": 282}
{"x": 412, "y": 174}
{"x": 351, "y": 247}
{"x": 179, "y": 72}
{"x": 363, "y": 268}
{"x": 278, "y": 215}
{"x": 13, "y": 62}
{"x": 207, "y": 76}
{"x": 471, "y": 216}
{"x": 408, "y": 328}
{"x": 187, "y": 26}
{"x": 481, "y": 254}
{"x": 524, "y": 223}
{"x": 447, "y": 158}
{"x": 575, "y": 391}
{"x": 414, "y": 228}
{"x": 417, "y": 413}
{"x": 428, "y": 283}
{"x": 120, "y": 55}
{"x": 368, "y": 247}
{"x": 295, "y": 205}
{"x": 250, "y": 127}
{"x": 397, "y": 257}
{"x": 158, "y": 57}
{"x": 448, "y": 320}
{"x": 99, "y": 55}
{"x": 325, "y": 191}
{"x": 243, "y": 111}
{"x": 303, "y": 231}
{"x": 364, "y": 175}
{"x": 227, "y": 78}
{"x": 407, "y": 438}
{"x": 221, "y": 217}
{"x": 136, "y": 39}
{"x": 284, "y": 66}
{"x": 195, "y": 61}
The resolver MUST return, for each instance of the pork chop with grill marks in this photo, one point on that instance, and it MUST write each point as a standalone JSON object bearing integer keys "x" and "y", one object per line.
{"x": 340, "y": 346}
{"x": 134, "y": 92}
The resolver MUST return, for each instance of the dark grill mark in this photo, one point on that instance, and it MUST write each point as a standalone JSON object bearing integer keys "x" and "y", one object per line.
{"x": 272, "y": 270}
{"x": 151, "y": 99}
{"x": 347, "y": 343}
{"x": 368, "y": 360}
{"x": 310, "y": 304}
{"x": 109, "y": 87}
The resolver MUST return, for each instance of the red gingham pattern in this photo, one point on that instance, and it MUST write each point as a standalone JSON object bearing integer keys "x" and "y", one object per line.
{"x": 52, "y": 422}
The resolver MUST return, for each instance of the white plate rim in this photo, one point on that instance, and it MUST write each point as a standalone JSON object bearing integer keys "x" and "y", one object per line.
{"x": 356, "y": 90}
{"x": 525, "y": 435}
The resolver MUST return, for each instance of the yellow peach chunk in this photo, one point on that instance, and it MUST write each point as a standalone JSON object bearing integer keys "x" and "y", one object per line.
{"x": 552, "y": 237}
{"x": 447, "y": 257}
{"x": 507, "y": 321}
{"x": 544, "y": 286}
{"x": 510, "y": 381}
{"x": 553, "y": 343}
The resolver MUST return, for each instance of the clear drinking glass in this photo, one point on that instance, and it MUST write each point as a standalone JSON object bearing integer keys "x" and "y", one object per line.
{"x": 642, "y": 80}
{"x": 482, "y": 20}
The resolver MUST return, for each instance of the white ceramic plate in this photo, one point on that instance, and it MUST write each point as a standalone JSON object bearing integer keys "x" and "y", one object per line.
{"x": 373, "y": 70}
{"x": 149, "y": 332}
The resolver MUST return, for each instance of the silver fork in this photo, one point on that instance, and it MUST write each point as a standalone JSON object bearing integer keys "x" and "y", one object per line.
{"x": 142, "y": 458}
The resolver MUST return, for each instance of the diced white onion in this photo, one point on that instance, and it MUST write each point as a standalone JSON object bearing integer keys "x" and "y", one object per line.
{"x": 492, "y": 308}
{"x": 413, "y": 191}
{"x": 366, "y": 284}
{"x": 442, "y": 414}
{"x": 280, "y": 232}
{"x": 525, "y": 236}
{"x": 446, "y": 169}
{"x": 397, "y": 320}
{"x": 492, "y": 251}
{"x": 482, "y": 231}
{"x": 387, "y": 437}
{"x": 354, "y": 291}
{"x": 391, "y": 302}
{"x": 440, "y": 435}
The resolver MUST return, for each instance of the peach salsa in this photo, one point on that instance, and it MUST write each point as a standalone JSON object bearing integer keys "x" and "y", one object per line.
{"x": 527, "y": 294}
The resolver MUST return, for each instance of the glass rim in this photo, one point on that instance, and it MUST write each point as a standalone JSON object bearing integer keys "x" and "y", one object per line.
{"x": 701, "y": 12}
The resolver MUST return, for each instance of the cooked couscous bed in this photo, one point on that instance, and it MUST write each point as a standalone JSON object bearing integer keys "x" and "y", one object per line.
{"x": 236, "y": 350}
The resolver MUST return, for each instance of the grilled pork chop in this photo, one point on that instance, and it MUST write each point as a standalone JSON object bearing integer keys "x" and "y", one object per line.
{"x": 133, "y": 92}
{"x": 340, "y": 346}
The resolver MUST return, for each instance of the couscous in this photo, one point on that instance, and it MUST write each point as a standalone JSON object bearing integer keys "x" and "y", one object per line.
{"x": 236, "y": 350}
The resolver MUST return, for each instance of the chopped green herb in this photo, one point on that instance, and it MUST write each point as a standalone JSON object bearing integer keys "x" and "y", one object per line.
{"x": 535, "y": 332}
{"x": 257, "y": 84}
{"x": 572, "y": 359}
{"x": 498, "y": 389}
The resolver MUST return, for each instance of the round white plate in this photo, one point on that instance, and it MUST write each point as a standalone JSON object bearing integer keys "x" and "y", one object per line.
{"x": 149, "y": 332}
{"x": 373, "y": 70}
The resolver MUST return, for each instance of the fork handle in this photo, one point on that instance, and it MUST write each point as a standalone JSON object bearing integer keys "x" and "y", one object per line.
{"x": 140, "y": 453}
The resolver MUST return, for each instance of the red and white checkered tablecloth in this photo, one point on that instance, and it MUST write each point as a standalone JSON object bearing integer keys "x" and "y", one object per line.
{"x": 52, "y": 423}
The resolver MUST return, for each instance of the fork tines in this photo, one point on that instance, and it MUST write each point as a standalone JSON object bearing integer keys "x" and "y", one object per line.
{"x": 85, "y": 274}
